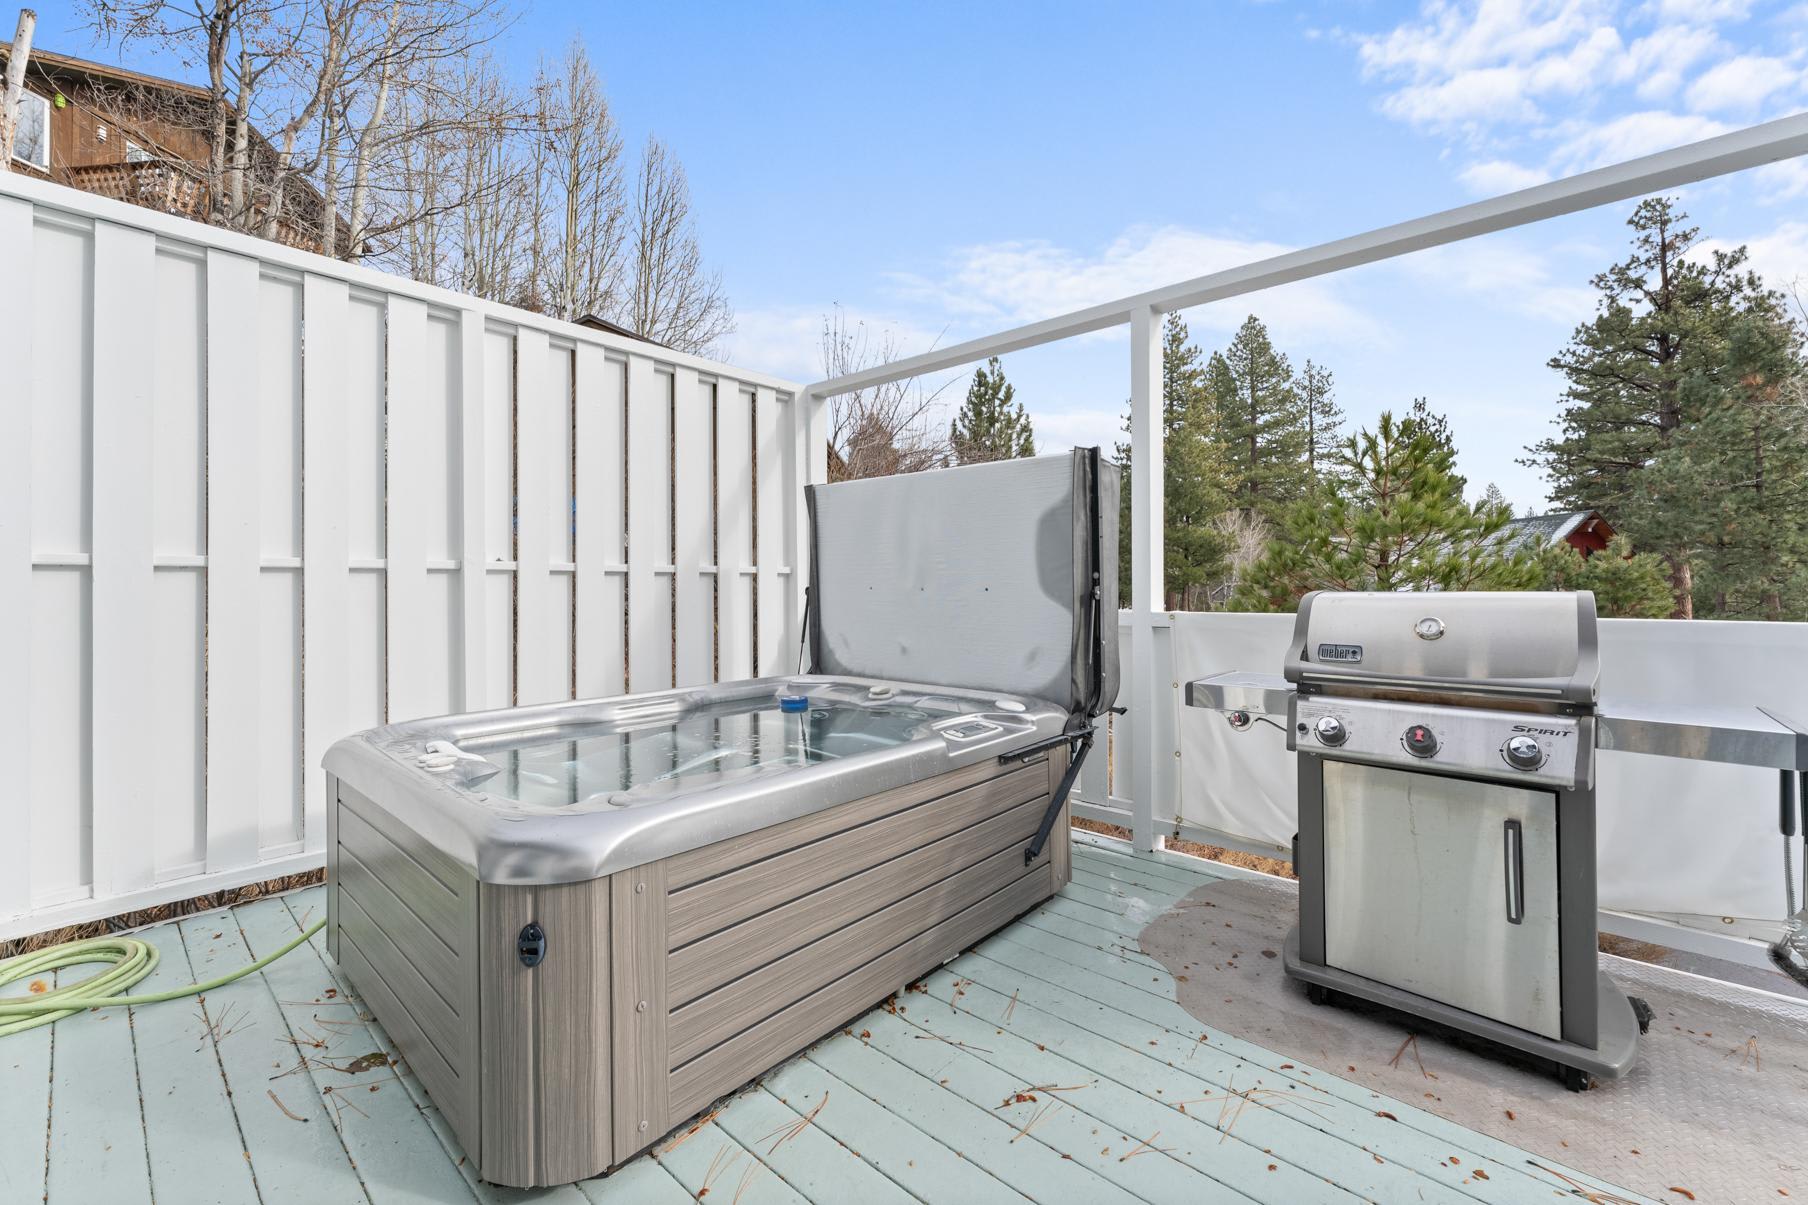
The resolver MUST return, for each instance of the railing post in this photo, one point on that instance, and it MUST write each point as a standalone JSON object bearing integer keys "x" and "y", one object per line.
{"x": 1147, "y": 560}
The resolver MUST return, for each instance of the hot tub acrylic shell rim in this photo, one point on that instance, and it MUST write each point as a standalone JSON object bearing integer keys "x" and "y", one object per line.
{"x": 568, "y": 847}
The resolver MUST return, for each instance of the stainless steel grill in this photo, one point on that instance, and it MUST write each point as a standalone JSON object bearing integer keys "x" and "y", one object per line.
{"x": 1446, "y": 847}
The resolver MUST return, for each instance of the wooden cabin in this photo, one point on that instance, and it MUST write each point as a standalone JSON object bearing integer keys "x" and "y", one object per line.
{"x": 142, "y": 139}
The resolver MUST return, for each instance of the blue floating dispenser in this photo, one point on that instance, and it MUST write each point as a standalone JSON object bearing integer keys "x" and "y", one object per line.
{"x": 794, "y": 703}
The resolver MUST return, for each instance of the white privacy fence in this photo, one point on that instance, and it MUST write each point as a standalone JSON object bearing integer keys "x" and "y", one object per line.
{"x": 252, "y": 500}
{"x": 1676, "y": 838}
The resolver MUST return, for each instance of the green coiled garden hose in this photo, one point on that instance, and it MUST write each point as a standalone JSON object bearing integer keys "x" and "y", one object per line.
{"x": 130, "y": 959}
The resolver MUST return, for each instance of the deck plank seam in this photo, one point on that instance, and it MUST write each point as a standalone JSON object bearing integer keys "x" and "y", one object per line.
{"x": 144, "y": 1128}
{"x": 1429, "y": 1125}
{"x": 295, "y": 1044}
{"x": 276, "y": 1001}
{"x": 422, "y": 1105}
{"x": 1425, "y": 1122}
{"x": 50, "y": 1097}
{"x": 1231, "y": 1135}
{"x": 1270, "y": 1066}
{"x": 938, "y": 1086}
{"x": 1112, "y": 872}
{"x": 213, "y": 1046}
{"x": 904, "y": 1122}
{"x": 1162, "y": 868}
{"x": 728, "y": 1139}
{"x": 760, "y": 1086}
{"x": 1212, "y": 1081}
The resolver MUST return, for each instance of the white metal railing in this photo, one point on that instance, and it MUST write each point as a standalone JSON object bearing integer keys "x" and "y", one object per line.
{"x": 252, "y": 499}
{"x": 1145, "y": 780}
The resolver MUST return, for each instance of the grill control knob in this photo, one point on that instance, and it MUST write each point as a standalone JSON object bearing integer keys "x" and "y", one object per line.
{"x": 1330, "y": 730}
{"x": 1523, "y": 753}
{"x": 1419, "y": 741}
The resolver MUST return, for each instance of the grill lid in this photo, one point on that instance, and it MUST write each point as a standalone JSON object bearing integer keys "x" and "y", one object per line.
{"x": 1534, "y": 646}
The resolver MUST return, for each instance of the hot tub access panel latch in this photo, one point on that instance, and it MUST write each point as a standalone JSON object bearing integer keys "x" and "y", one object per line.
{"x": 530, "y": 946}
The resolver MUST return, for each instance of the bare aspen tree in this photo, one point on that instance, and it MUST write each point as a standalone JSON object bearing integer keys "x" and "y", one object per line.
{"x": 16, "y": 61}
{"x": 585, "y": 175}
{"x": 672, "y": 298}
{"x": 891, "y": 428}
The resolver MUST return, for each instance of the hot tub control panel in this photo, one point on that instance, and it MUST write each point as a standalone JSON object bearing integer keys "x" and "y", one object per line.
{"x": 969, "y": 730}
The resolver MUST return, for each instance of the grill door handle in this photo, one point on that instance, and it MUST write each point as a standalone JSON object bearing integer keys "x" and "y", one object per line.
{"x": 1515, "y": 847}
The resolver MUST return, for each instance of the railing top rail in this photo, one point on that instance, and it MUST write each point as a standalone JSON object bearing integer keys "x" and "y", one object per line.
{"x": 89, "y": 206}
{"x": 1784, "y": 138}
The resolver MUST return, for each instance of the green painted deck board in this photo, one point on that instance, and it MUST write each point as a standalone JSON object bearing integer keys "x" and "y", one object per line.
{"x": 24, "y": 1113}
{"x": 815, "y": 1164}
{"x": 173, "y": 1103}
{"x": 96, "y": 1128}
{"x": 191, "y": 1130}
{"x": 925, "y": 1166}
{"x": 293, "y": 1162}
{"x": 917, "y": 1086}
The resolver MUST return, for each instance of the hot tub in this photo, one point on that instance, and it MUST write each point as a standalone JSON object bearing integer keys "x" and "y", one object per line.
{"x": 583, "y": 922}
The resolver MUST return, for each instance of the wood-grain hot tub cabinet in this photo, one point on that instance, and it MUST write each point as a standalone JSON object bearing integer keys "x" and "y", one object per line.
{"x": 581, "y": 923}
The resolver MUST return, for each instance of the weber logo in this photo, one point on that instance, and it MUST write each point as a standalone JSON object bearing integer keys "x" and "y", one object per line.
{"x": 1349, "y": 654}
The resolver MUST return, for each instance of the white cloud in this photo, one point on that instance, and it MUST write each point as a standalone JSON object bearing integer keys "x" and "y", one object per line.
{"x": 1780, "y": 257}
{"x": 786, "y": 341}
{"x": 1081, "y": 428}
{"x": 1495, "y": 176}
{"x": 1001, "y": 284}
{"x": 1657, "y": 62}
{"x": 1742, "y": 84}
{"x": 1548, "y": 87}
{"x": 1701, "y": 10}
{"x": 1508, "y": 275}
{"x": 1470, "y": 66}
{"x": 1596, "y": 144}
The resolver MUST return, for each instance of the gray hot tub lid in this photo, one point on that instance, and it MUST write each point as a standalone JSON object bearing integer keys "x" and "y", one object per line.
{"x": 998, "y": 576}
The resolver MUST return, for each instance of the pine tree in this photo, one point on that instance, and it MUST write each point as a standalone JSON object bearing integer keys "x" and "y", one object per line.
{"x": 1193, "y": 481}
{"x": 991, "y": 424}
{"x": 1391, "y": 518}
{"x": 1638, "y": 374}
{"x": 1627, "y": 585}
{"x": 1731, "y": 484}
{"x": 1324, "y": 417}
{"x": 1261, "y": 423}
{"x": 1494, "y": 497}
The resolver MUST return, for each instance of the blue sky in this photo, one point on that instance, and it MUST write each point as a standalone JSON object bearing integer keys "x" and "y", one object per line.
{"x": 945, "y": 170}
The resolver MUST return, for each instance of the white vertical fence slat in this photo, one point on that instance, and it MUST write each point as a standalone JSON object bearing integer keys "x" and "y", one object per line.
{"x": 734, "y": 529}
{"x": 772, "y": 470}
{"x": 649, "y": 605}
{"x": 16, "y": 322}
{"x": 326, "y": 586}
{"x": 473, "y": 571}
{"x": 601, "y": 599}
{"x": 693, "y": 624}
{"x": 537, "y": 678}
{"x": 499, "y": 514}
{"x": 234, "y": 559}
{"x": 405, "y": 553}
{"x": 338, "y": 473}
{"x": 123, "y": 848}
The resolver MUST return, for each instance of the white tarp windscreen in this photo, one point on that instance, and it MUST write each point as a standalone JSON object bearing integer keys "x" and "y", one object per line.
{"x": 960, "y": 577}
{"x": 1673, "y": 836}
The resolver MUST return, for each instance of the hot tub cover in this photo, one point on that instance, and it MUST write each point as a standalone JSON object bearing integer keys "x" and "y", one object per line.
{"x": 998, "y": 576}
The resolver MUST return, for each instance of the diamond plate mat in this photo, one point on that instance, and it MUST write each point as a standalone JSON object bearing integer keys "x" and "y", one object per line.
{"x": 1717, "y": 1103}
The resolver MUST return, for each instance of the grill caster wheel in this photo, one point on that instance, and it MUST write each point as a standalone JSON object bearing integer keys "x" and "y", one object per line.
{"x": 1644, "y": 1012}
{"x": 1576, "y": 1079}
{"x": 1318, "y": 994}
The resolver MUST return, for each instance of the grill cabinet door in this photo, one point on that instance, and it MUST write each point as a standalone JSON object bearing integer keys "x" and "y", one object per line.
{"x": 1421, "y": 876}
